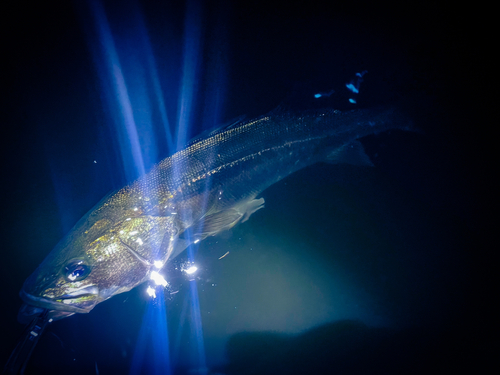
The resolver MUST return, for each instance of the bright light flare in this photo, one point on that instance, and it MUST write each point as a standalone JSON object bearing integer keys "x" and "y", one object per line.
{"x": 158, "y": 264}
{"x": 191, "y": 270}
{"x": 158, "y": 279}
{"x": 151, "y": 292}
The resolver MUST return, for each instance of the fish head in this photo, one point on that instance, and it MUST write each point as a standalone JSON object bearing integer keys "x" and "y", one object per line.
{"x": 97, "y": 260}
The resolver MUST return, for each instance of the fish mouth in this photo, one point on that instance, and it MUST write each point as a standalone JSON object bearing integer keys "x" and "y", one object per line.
{"x": 81, "y": 300}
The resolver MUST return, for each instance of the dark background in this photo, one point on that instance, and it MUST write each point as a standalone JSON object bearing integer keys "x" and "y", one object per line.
{"x": 400, "y": 250}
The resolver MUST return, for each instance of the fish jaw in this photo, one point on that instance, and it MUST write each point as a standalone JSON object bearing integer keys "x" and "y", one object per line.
{"x": 34, "y": 306}
{"x": 79, "y": 301}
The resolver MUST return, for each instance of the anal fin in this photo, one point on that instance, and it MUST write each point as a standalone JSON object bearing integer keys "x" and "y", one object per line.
{"x": 352, "y": 153}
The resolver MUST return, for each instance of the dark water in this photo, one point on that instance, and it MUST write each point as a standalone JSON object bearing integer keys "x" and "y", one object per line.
{"x": 346, "y": 270}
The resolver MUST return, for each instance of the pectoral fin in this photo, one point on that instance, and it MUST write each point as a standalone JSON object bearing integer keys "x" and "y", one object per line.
{"x": 213, "y": 224}
{"x": 227, "y": 219}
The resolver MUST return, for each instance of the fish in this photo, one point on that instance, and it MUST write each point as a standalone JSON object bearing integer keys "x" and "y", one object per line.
{"x": 206, "y": 188}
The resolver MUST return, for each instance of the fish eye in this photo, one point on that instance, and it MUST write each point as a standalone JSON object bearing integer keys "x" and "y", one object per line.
{"x": 76, "y": 270}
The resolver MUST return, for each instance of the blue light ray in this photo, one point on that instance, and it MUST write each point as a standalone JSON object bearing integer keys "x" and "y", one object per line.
{"x": 154, "y": 77}
{"x": 112, "y": 72}
{"x": 190, "y": 70}
{"x": 187, "y": 101}
{"x": 178, "y": 336}
{"x": 197, "y": 330}
{"x": 126, "y": 84}
{"x": 191, "y": 315}
{"x": 124, "y": 93}
{"x": 217, "y": 69}
{"x": 152, "y": 352}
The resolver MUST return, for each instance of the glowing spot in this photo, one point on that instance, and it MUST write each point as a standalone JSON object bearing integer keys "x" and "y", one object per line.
{"x": 322, "y": 94}
{"x": 139, "y": 241}
{"x": 151, "y": 292}
{"x": 133, "y": 233}
{"x": 196, "y": 241}
{"x": 158, "y": 264}
{"x": 191, "y": 270}
{"x": 128, "y": 219}
{"x": 352, "y": 101}
{"x": 354, "y": 84}
{"x": 351, "y": 87}
{"x": 135, "y": 208}
{"x": 121, "y": 232}
{"x": 158, "y": 279}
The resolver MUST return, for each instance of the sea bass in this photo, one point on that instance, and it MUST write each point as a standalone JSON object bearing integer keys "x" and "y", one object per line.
{"x": 206, "y": 188}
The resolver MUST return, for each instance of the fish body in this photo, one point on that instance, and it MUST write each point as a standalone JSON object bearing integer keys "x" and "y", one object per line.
{"x": 200, "y": 191}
